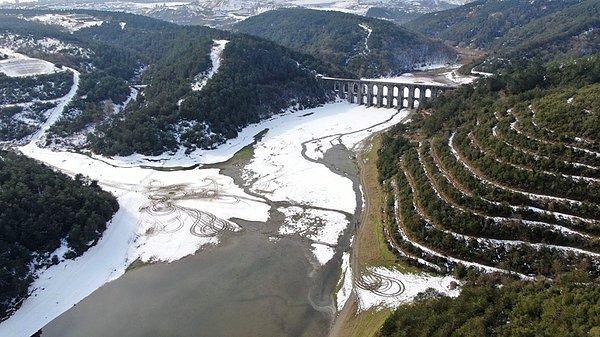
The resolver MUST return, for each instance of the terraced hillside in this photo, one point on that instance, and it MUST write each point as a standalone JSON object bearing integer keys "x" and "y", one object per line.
{"x": 501, "y": 180}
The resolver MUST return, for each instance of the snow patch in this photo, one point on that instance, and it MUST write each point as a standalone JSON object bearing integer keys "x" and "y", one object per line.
{"x": 23, "y": 66}
{"x": 323, "y": 228}
{"x": 215, "y": 57}
{"x": 71, "y": 22}
{"x": 403, "y": 288}
{"x": 280, "y": 172}
{"x": 455, "y": 77}
{"x": 395, "y": 288}
{"x": 432, "y": 66}
{"x": 369, "y": 32}
{"x": 345, "y": 291}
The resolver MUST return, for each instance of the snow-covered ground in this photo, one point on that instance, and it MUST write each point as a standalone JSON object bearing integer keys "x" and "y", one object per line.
{"x": 323, "y": 228}
{"x": 457, "y": 78}
{"x": 380, "y": 287}
{"x": 403, "y": 288}
{"x": 369, "y": 32}
{"x": 10, "y": 42}
{"x": 70, "y": 22}
{"x": 432, "y": 66}
{"x": 280, "y": 172}
{"x": 451, "y": 77}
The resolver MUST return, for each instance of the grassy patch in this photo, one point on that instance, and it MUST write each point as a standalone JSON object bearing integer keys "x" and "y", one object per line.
{"x": 364, "y": 324}
{"x": 243, "y": 156}
{"x": 372, "y": 247}
{"x": 137, "y": 264}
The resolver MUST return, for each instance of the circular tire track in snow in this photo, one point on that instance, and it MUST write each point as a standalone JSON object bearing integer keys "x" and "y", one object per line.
{"x": 166, "y": 217}
{"x": 206, "y": 224}
{"x": 379, "y": 284}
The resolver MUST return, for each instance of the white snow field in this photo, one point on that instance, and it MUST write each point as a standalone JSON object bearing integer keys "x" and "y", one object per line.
{"x": 279, "y": 172}
{"x": 70, "y": 22}
{"x": 24, "y": 66}
{"x": 392, "y": 289}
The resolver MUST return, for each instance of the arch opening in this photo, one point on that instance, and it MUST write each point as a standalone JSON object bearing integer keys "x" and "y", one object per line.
{"x": 405, "y": 92}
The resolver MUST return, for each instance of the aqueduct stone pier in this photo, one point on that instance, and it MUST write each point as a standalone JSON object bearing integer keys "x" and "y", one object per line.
{"x": 387, "y": 94}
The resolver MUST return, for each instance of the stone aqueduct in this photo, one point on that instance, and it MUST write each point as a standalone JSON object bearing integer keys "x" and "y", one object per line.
{"x": 385, "y": 94}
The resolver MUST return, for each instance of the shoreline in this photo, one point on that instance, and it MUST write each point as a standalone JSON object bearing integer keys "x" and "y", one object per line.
{"x": 369, "y": 232}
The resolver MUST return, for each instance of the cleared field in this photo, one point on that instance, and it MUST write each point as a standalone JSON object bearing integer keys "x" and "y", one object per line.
{"x": 26, "y": 67}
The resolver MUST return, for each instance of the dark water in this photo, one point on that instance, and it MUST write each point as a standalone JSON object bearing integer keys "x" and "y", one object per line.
{"x": 247, "y": 286}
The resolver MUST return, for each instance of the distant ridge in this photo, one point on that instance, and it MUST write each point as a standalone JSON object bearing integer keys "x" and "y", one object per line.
{"x": 366, "y": 46}
{"x": 541, "y": 28}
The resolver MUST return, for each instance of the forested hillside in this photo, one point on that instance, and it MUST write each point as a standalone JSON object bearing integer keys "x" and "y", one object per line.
{"x": 368, "y": 47}
{"x": 164, "y": 60}
{"x": 542, "y": 28}
{"x": 38, "y": 209}
{"x": 257, "y": 79}
{"x": 16, "y": 115}
{"x": 567, "y": 308}
{"x": 502, "y": 177}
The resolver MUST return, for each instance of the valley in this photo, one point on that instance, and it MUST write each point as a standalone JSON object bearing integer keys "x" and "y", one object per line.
{"x": 167, "y": 215}
{"x": 255, "y": 188}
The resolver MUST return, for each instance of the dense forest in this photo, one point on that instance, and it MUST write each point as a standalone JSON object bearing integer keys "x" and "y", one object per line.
{"x": 569, "y": 307}
{"x": 459, "y": 142}
{"x": 34, "y": 88}
{"x": 39, "y": 209}
{"x": 256, "y": 79}
{"x": 368, "y": 47}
